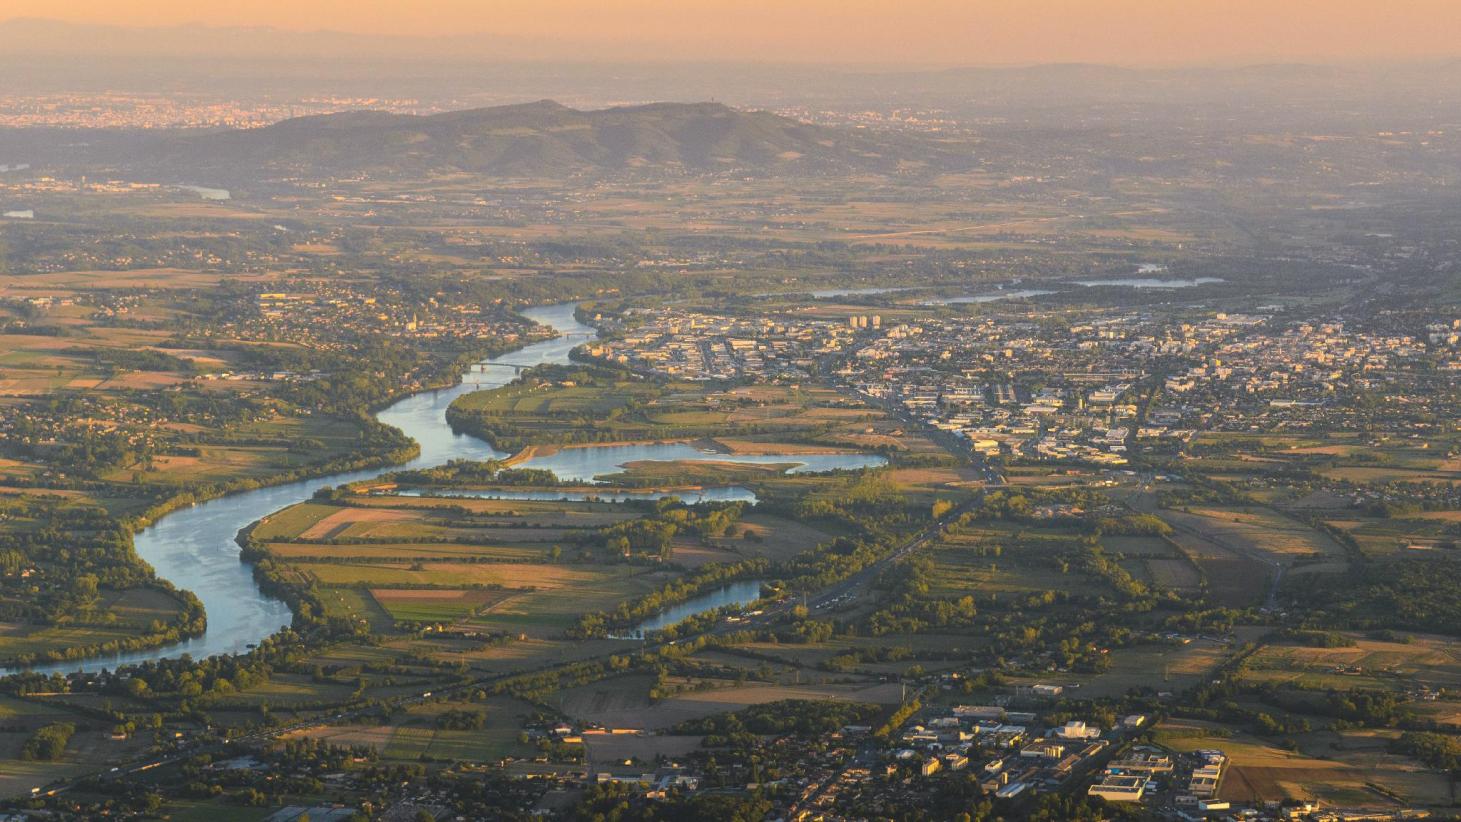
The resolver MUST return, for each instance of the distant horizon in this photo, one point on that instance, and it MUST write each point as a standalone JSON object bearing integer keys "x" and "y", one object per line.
{"x": 921, "y": 35}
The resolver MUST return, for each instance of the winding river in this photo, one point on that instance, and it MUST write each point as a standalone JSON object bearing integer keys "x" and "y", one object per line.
{"x": 194, "y": 548}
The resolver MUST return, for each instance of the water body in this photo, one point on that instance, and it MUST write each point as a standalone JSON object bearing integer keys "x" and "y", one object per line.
{"x": 735, "y": 594}
{"x": 208, "y": 193}
{"x": 722, "y": 493}
{"x": 1151, "y": 282}
{"x": 194, "y": 548}
{"x": 993, "y": 296}
{"x": 588, "y": 463}
{"x": 829, "y": 293}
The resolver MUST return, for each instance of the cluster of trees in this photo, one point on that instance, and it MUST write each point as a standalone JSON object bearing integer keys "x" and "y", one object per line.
{"x": 868, "y": 502}
{"x": 1436, "y": 750}
{"x": 214, "y": 676}
{"x": 911, "y": 609}
{"x": 473, "y": 472}
{"x": 45, "y": 432}
{"x": 48, "y": 743}
{"x": 655, "y": 535}
{"x": 58, "y": 567}
{"x": 615, "y": 802}
{"x": 1417, "y": 595}
{"x": 1093, "y": 560}
{"x": 1134, "y": 525}
{"x": 631, "y": 612}
{"x": 461, "y": 719}
{"x": 799, "y": 717}
{"x": 135, "y": 359}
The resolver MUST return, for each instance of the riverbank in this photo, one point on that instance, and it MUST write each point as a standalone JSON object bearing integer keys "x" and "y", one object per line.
{"x": 188, "y": 539}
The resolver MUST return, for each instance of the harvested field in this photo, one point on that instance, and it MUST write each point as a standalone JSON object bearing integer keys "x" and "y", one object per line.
{"x": 1257, "y": 530}
{"x": 1176, "y": 574}
{"x": 1260, "y": 772}
{"x": 359, "y": 523}
{"x": 624, "y": 702}
{"x": 434, "y": 605}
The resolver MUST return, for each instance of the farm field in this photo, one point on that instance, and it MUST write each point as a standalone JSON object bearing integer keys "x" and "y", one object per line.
{"x": 994, "y": 559}
{"x": 510, "y": 575}
{"x": 1415, "y": 534}
{"x": 88, "y": 749}
{"x": 1155, "y": 561}
{"x": 117, "y": 615}
{"x": 417, "y": 737}
{"x": 1159, "y": 667}
{"x": 1259, "y": 772}
{"x": 1232, "y": 578}
{"x": 1259, "y": 531}
{"x": 923, "y": 649}
{"x": 624, "y": 702}
{"x": 602, "y": 405}
{"x": 1429, "y": 661}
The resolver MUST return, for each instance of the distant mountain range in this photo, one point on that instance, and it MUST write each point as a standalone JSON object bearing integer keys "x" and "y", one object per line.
{"x": 542, "y": 139}
{"x": 39, "y": 56}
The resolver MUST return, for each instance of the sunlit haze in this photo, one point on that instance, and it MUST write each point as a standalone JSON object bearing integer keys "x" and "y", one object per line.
{"x": 917, "y": 32}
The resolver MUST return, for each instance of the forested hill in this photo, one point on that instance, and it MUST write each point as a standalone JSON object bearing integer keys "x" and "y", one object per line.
{"x": 546, "y": 139}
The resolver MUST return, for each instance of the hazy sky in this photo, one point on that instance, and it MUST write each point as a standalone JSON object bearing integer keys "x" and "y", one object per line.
{"x": 857, "y": 31}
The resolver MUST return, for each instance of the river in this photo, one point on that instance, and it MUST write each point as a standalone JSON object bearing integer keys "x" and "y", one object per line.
{"x": 691, "y": 496}
{"x": 194, "y": 548}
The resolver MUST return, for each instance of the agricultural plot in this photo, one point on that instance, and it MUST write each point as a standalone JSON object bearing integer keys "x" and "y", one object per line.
{"x": 521, "y": 652}
{"x": 776, "y": 537}
{"x": 420, "y": 737}
{"x": 1258, "y": 531}
{"x": 1419, "y": 534}
{"x": 605, "y": 751}
{"x": 996, "y": 560}
{"x": 434, "y": 605}
{"x": 538, "y": 413}
{"x": 357, "y": 606}
{"x": 1155, "y": 561}
{"x": 87, "y": 751}
{"x": 1369, "y": 664}
{"x": 508, "y": 513}
{"x": 791, "y": 664}
{"x": 117, "y": 615}
{"x": 547, "y": 611}
{"x": 409, "y": 551}
{"x": 623, "y": 702}
{"x": 214, "y": 810}
{"x": 292, "y": 521}
{"x": 1260, "y": 772}
{"x": 509, "y": 575}
{"x": 221, "y": 457}
{"x": 514, "y": 567}
{"x": 1233, "y": 579}
{"x": 366, "y": 523}
{"x": 1173, "y": 668}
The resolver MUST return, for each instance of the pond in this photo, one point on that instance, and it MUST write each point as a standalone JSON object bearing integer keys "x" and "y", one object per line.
{"x": 736, "y": 594}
